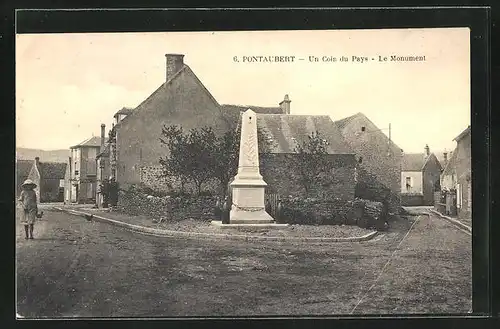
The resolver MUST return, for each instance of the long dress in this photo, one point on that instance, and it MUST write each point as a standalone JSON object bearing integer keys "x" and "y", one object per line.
{"x": 28, "y": 199}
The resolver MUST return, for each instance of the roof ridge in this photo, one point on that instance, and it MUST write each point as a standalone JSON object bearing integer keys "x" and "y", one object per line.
{"x": 248, "y": 105}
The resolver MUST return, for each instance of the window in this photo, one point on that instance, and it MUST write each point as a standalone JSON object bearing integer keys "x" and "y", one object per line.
{"x": 363, "y": 128}
{"x": 408, "y": 183}
{"x": 360, "y": 160}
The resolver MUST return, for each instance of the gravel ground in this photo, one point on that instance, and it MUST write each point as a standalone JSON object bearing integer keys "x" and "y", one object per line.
{"x": 191, "y": 225}
{"x": 76, "y": 268}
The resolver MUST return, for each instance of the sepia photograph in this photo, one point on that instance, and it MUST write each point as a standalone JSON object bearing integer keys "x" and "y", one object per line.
{"x": 243, "y": 173}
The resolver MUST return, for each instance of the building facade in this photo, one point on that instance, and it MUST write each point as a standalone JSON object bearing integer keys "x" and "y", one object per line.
{"x": 457, "y": 174}
{"x": 81, "y": 178}
{"x": 182, "y": 100}
{"x": 49, "y": 178}
{"x": 378, "y": 160}
{"x": 103, "y": 169}
{"x": 23, "y": 168}
{"x": 281, "y": 170}
{"x": 420, "y": 177}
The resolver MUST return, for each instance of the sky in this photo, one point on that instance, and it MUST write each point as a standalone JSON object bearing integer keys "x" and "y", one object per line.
{"x": 68, "y": 84}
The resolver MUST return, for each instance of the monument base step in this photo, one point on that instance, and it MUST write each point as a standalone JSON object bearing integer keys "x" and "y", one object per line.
{"x": 252, "y": 221}
{"x": 250, "y": 226}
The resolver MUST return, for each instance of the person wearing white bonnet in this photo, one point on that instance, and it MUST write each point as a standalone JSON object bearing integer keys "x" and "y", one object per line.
{"x": 29, "y": 203}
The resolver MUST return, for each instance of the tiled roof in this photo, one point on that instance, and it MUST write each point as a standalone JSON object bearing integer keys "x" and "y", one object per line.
{"x": 284, "y": 131}
{"x": 448, "y": 169}
{"x": 54, "y": 170}
{"x": 160, "y": 89}
{"x": 378, "y": 139}
{"x": 342, "y": 123}
{"x": 124, "y": 110}
{"x": 94, "y": 141}
{"x": 462, "y": 134}
{"x": 23, "y": 167}
{"x": 256, "y": 109}
{"x": 105, "y": 152}
{"x": 413, "y": 161}
{"x": 231, "y": 113}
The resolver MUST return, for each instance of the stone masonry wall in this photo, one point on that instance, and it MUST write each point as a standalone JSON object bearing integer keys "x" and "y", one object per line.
{"x": 369, "y": 187}
{"x": 135, "y": 202}
{"x": 152, "y": 177}
{"x": 280, "y": 173}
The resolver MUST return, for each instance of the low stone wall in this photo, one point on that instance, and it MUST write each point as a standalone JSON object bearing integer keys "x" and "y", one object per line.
{"x": 369, "y": 187}
{"x": 363, "y": 213}
{"x": 412, "y": 199}
{"x": 136, "y": 202}
{"x": 153, "y": 177}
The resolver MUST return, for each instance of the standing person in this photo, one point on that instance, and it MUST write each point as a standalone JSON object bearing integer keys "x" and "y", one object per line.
{"x": 28, "y": 200}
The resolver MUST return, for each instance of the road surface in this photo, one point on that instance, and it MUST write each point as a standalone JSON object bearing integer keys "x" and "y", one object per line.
{"x": 88, "y": 269}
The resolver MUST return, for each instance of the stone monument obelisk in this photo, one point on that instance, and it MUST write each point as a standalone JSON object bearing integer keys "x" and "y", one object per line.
{"x": 248, "y": 186}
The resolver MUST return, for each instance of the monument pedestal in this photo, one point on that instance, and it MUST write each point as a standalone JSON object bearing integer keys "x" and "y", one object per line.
{"x": 248, "y": 187}
{"x": 248, "y": 201}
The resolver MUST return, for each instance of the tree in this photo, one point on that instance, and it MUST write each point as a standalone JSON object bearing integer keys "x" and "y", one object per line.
{"x": 226, "y": 152}
{"x": 191, "y": 155}
{"x": 173, "y": 164}
{"x": 200, "y": 155}
{"x": 311, "y": 161}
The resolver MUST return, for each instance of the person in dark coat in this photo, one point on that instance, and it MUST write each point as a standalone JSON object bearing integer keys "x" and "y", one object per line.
{"x": 29, "y": 204}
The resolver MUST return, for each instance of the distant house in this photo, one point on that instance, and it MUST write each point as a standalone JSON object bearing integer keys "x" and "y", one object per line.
{"x": 282, "y": 133}
{"x": 181, "y": 100}
{"x": 23, "y": 168}
{"x": 378, "y": 171}
{"x": 81, "y": 178}
{"x": 420, "y": 177}
{"x": 49, "y": 178}
{"x": 457, "y": 174}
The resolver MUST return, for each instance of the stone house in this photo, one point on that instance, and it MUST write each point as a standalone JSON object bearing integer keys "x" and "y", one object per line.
{"x": 23, "y": 168}
{"x": 420, "y": 177}
{"x": 49, "y": 178}
{"x": 378, "y": 170}
{"x": 81, "y": 176}
{"x": 283, "y": 132}
{"x": 181, "y": 100}
{"x": 457, "y": 174}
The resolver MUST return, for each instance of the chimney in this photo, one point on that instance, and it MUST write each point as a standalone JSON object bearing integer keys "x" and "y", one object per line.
{"x": 37, "y": 162}
{"x": 103, "y": 136}
{"x": 427, "y": 150}
{"x": 175, "y": 62}
{"x": 285, "y": 105}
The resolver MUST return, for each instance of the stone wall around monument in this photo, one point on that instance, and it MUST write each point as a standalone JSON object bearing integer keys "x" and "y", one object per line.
{"x": 153, "y": 178}
{"x": 281, "y": 174}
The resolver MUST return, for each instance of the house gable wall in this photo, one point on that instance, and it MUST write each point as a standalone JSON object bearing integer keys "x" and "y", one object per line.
{"x": 430, "y": 175}
{"x": 463, "y": 170}
{"x": 376, "y": 157}
{"x": 34, "y": 175}
{"x": 416, "y": 177}
{"x": 185, "y": 102}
